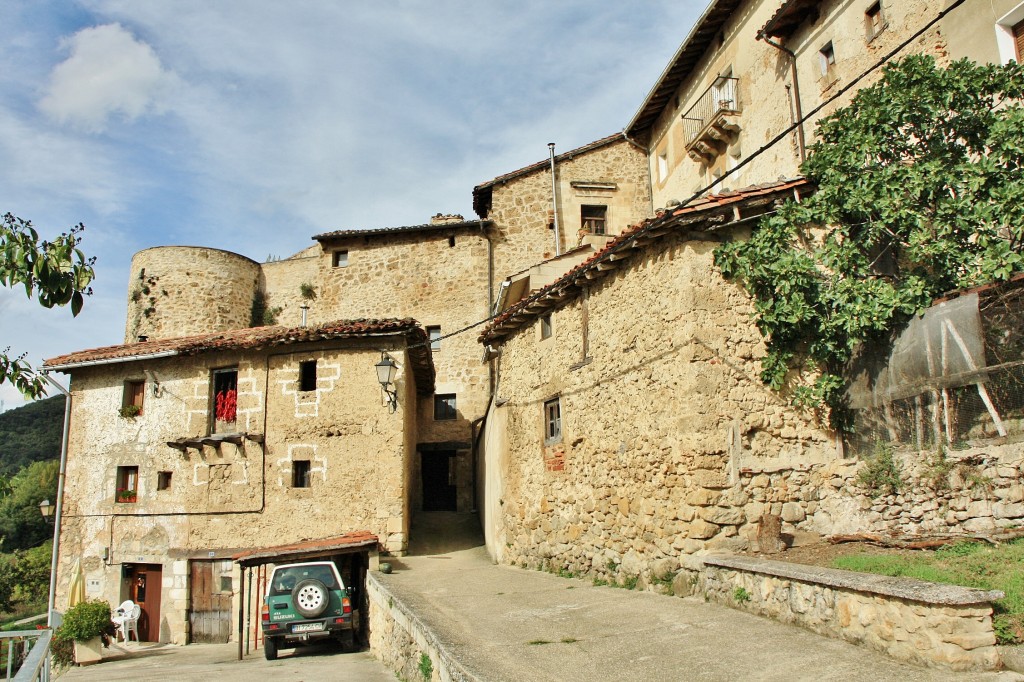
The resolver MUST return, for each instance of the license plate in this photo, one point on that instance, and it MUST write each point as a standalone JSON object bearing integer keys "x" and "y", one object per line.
{"x": 307, "y": 627}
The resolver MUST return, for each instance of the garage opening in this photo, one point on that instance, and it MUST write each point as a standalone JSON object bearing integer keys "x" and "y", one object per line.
{"x": 438, "y": 473}
{"x": 353, "y": 553}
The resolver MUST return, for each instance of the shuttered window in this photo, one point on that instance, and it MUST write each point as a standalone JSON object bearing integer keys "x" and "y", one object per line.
{"x": 1018, "y": 38}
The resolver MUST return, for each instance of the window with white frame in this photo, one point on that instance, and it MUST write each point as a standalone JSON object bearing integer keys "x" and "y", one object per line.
{"x": 434, "y": 333}
{"x": 552, "y": 421}
{"x": 1010, "y": 35}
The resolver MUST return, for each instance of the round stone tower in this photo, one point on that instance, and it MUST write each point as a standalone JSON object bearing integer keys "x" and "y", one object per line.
{"x": 186, "y": 290}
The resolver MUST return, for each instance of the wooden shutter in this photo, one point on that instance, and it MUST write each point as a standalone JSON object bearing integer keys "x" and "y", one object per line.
{"x": 1018, "y": 37}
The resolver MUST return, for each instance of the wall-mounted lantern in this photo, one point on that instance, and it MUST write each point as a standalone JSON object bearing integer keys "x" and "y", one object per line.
{"x": 387, "y": 370}
{"x": 46, "y": 508}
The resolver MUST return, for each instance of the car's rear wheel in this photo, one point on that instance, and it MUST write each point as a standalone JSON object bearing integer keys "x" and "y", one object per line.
{"x": 310, "y": 598}
{"x": 270, "y": 648}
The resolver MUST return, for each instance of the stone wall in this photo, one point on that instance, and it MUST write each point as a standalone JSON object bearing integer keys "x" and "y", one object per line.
{"x": 521, "y": 207}
{"x": 657, "y": 370}
{"x": 281, "y": 282}
{"x": 765, "y": 83}
{"x": 232, "y": 497}
{"x": 911, "y": 620}
{"x": 184, "y": 290}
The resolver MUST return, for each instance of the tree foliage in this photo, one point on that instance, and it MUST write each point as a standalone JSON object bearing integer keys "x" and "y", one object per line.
{"x": 54, "y": 272}
{"x": 919, "y": 192}
{"x": 21, "y": 524}
{"x": 28, "y": 434}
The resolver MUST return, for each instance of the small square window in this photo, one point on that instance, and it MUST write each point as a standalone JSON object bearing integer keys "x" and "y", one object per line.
{"x": 339, "y": 259}
{"x": 593, "y": 219}
{"x": 552, "y": 421}
{"x": 545, "y": 326}
{"x": 127, "y": 484}
{"x": 307, "y": 375}
{"x": 134, "y": 393}
{"x": 435, "y": 337}
{"x": 444, "y": 406}
{"x": 300, "y": 474}
{"x": 663, "y": 165}
{"x": 225, "y": 583}
{"x": 874, "y": 21}
{"x": 163, "y": 480}
{"x": 827, "y": 57}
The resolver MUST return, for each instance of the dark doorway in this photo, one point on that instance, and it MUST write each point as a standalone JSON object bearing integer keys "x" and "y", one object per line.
{"x": 210, "y": 589}
{"x": 438, "y": 473}
{"x": 145, "y": 582}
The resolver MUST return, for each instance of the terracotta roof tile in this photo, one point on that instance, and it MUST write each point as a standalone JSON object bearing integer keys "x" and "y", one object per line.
{"x": 383, "y": 231}
{"x": 262, "y": 337}
{"x": 307, "y": 548}
{"x": 568, "y": 285}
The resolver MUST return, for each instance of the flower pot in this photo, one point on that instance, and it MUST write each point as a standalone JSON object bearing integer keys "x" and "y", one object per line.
{"x": 88, "y": 652}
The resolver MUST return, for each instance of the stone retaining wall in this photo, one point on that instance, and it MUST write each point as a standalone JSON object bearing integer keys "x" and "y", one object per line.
{"x": 399, "y": 639}
{"x": 911, "y": 620}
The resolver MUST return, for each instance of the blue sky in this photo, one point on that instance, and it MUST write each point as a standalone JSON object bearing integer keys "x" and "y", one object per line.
{"x": 251, "y": 126}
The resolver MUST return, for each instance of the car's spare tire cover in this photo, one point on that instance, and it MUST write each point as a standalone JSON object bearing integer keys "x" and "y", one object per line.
{"x": 310, "y": 598}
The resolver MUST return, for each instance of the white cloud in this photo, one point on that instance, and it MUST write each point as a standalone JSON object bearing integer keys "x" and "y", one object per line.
{"x": 108, "y": 72}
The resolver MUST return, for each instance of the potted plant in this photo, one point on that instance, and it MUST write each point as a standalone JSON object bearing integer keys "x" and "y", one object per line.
{"x": 130, "y": 411}
{"x": 126, "y": 495}
{"x": 88, "y": 625}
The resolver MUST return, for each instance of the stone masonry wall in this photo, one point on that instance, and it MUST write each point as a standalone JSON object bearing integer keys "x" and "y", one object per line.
{"x": 232, "y": 497}
{"x": 661, "y": 408}
{"x": 183, "y": 290}
{"x": 282, "y": 282}
{"x": 521, "y": 207}
{"x": 765, "y": 91}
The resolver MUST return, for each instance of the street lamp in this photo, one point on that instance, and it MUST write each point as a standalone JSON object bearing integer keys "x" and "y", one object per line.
{"x": 46, "y": 508}
{"x": 387, "y": 370}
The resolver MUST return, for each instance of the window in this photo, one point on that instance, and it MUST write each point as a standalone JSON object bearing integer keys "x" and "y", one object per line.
{"x": 545, "y": 326}
{"x": 444, "y": 406}
{"x": 225, "y": 400}
{"x": 127, "y": 484}
{"x": 307, "y": 375}
{"x": 552, "y": 420}
{"x": 874, "y": 21}
{"x": 134, "y": 392}
{"x": 163, "y": 480}
{"x": 593, "y": 219}
{"x": 1018, "y": 38}
{"x": 827, "y": 57}
{"x": 1010, "y": 35}
{"x": 339, "y": 259}
{"x": 435, "y": 337}
{"x": 663, "y": 165}
{"x": 300, "y": 474}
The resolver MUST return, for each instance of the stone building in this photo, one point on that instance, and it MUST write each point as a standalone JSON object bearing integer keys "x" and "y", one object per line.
{"x": 187, "y": 450}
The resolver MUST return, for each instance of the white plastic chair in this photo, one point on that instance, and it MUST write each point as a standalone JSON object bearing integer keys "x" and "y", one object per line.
{"x": 127, "y": 620}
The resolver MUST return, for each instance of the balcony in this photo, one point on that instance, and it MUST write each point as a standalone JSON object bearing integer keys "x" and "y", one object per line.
{"x": 709, "y": 124}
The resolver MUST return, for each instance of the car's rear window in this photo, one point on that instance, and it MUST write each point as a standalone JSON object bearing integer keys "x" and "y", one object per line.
{"x": 287, "y": 577}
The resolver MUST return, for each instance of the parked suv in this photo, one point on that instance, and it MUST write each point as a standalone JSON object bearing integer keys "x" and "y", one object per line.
{"x": 304, "y": 603}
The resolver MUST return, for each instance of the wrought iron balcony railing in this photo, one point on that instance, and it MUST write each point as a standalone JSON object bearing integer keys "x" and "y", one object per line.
{"x": 708, "y": 123}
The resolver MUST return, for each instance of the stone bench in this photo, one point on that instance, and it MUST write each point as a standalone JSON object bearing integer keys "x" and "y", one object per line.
{"x": 911, "y": 620}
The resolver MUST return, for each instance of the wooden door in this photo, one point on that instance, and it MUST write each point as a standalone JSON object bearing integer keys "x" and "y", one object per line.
{"x": 210, "y": 601}
{"x": 145, "y": 582}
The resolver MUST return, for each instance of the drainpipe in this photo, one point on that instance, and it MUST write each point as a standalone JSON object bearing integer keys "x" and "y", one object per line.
{"x": 800, "y": 141}
{"x": 58, "y": 515}
{"x": 554, "y": 199}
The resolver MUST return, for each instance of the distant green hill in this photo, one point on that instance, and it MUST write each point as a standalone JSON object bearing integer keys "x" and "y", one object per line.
{"x": 30, "y": 434}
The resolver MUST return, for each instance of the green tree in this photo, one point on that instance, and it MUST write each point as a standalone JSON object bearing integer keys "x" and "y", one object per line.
{"x": 21, "y": 524}
{"x": 55, "y": 272}
{"x": 918, "y": 192}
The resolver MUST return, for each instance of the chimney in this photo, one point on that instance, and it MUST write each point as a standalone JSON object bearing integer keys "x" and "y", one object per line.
{"x": 446, "y": 219}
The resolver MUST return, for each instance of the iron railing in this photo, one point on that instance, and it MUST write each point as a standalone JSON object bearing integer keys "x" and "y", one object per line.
{"x": 27, "y": 654}
{"x": 720, "y": 97}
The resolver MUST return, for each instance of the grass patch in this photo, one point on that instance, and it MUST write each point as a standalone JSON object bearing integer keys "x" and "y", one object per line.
{"x": 968, "y": 564}
{"x": 569, "y": 640}
{"x": 538, "y": 642}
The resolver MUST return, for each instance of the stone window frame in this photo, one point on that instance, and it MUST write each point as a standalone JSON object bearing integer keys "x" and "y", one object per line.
{"x": 445, "y": 407}
{"x": 339, "y": 258}
{"x": 552, "y": 420}
{"x": 163, "y": 480}
{"x": 546, "y": 329}
{"x": 134, "y": 394}
{"x": 434, "y": 334}
{"x": 127, "y": 479}
{"x": 302, "y": 473}
{"x": 827, "y": 60}
{"x": 874, "y": 21}
{"x": 594, "y": 218}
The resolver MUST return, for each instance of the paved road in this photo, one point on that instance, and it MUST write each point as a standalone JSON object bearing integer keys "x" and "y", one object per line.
{"x": 218, "y": 662}
{"x": 506, "y": 624}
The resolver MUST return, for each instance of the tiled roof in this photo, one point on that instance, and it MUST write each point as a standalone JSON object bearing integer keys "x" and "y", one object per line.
{"x": 786, "y": 19}
{"x": 261, "y": 337}
{"x": 682, "y": 64}
{"x": 707, "y": 213}
{"x": 430, "y": 227}
{"x": 482, "y": 191}
{"x": 307, "y": 549}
